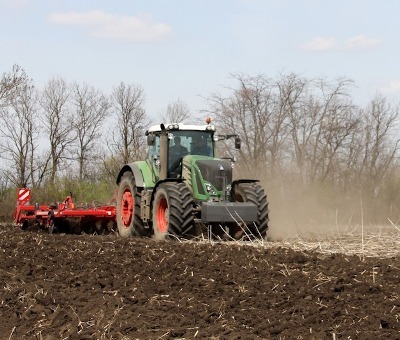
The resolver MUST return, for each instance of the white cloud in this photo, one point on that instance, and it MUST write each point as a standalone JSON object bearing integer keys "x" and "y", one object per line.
{"x": 321, "y": 44}
{"x": 362, "y": 42}
{"x": 119, "y": 27}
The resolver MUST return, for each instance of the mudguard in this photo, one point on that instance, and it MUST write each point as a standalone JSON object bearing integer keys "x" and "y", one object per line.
{"x": 142, "y": 173}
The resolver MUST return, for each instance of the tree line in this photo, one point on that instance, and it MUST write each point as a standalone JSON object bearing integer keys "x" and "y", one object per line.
{"x": 309, "y": 141}
{"x": 304, "y": 138}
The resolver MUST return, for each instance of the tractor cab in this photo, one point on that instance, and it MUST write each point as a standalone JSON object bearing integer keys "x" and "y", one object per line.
{"x": 169, "y": 144}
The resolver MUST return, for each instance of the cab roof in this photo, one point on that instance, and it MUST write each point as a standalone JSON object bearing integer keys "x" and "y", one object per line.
{"x": 182, "y": 126}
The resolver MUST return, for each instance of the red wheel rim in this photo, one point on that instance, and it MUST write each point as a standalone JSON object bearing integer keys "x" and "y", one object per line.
{"x": 127, "y": 207}
{"x": 162, "y": 220}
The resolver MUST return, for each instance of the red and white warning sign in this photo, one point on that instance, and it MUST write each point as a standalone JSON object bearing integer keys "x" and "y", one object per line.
{"x": 24, "y": 195}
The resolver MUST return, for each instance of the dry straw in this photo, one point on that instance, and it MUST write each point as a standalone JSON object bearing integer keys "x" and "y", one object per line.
{"x": 372, "y": 241}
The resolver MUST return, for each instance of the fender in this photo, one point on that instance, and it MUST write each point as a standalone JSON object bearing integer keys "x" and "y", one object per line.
{"x": 176, "y": 180}
{"x": 135, "y": 168}
{"x": 238, "y": 181}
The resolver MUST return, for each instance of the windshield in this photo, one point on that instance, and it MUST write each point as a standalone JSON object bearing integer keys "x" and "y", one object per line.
{"x": 192, "y": 142}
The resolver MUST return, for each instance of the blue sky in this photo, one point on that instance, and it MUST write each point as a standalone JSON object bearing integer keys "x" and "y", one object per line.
{"x": 187, "y": 49}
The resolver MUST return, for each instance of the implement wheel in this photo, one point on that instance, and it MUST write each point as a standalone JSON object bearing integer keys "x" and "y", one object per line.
{"x": 172, "y": 213}
{"x": 129, "y": 221}
{"x": 254, "y": 193}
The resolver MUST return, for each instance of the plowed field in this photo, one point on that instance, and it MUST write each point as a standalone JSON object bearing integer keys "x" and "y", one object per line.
{"x": 105, "y": 287}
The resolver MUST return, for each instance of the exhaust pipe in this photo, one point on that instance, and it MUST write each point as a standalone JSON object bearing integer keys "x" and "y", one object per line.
{"x": 163, "y": 152}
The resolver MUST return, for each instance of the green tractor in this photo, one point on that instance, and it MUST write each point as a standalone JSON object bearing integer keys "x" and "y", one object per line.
{"x": 182, "y": 190}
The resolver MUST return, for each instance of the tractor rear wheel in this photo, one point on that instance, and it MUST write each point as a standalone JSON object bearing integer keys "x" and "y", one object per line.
{"x": 172, "y": 213}
{"x": 254, "y": 193}
{"x": 129, "y": 222}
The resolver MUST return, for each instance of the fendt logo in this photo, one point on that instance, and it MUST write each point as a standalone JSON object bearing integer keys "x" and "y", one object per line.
{"x": 24, "y": 195}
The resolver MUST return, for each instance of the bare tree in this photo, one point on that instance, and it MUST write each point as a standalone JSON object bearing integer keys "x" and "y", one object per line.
{"x": 245, "y": 113}
{"x": 289, "y": 121}
{"x": 256, "y": 111}
{"x": 58, "y": 122}
{"x": 320, "y": 127}
{"x": 176, "y": 112}
{"x": 91, "y": 108}
{"x": 128, "y": 141}
{"x": 290, "y": 89}
{"x": 11, "y": 83}
{"x": 19, "y": 130}
{"x": 380, "y": 142}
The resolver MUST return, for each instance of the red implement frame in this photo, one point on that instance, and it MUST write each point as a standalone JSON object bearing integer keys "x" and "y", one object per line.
{"x": 26, "y": 213}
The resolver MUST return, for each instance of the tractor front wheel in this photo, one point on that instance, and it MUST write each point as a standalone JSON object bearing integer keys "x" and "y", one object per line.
{"x": 172, "y": 213}
{"x": 254, "y": 193}
{"x": 129, "y": 221}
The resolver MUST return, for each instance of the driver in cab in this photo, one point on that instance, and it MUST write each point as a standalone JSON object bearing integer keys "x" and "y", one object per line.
{"x": 176, "y": 152}
{"x": 200, "y": 146}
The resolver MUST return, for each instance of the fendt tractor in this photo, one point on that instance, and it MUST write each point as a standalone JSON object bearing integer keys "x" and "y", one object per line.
{"x": 183, "y": 190}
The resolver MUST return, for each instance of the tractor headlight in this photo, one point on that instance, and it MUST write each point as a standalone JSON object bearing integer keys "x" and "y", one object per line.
{"x": 210, "y": 189}
{"x": 173, "y": 127}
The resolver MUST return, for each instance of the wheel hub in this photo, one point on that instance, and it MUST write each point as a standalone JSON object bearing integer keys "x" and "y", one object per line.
{"x": 162, "y": 216}
{"x": 127, "y": 208}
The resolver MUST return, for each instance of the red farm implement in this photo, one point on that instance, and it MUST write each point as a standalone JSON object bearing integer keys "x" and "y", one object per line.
{"x": 66, "y": 216}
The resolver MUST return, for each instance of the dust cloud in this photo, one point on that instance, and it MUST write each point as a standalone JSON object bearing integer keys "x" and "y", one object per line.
{"x": 298, "y": 211}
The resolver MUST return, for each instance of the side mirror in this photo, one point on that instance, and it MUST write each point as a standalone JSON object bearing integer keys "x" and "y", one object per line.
{"x": 151, "y": 138}
{"x": 237, "y": 142}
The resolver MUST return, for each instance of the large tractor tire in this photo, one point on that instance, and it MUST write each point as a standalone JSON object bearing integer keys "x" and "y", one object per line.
{"x": 172, "y": 213}
{"x": 129, "y": 222}
{"x": 254, "y": 193}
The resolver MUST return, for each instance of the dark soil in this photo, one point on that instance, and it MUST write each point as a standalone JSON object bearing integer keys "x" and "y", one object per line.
{"x": 105, "y": 287}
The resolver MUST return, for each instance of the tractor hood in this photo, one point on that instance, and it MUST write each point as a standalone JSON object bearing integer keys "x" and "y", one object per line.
{"x": 214, "y": 170}
{"x": 207, "y": 176}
